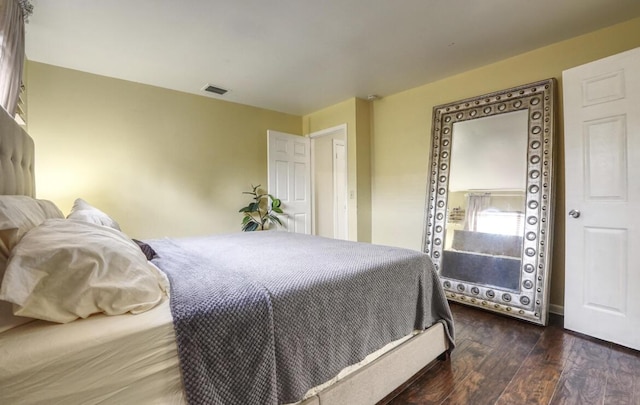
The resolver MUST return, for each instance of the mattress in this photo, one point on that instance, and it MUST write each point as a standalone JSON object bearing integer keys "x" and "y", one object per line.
{"x": 267, "y": 333}
{"x": 125, "y": 359}
{"x": 133, "y": 359}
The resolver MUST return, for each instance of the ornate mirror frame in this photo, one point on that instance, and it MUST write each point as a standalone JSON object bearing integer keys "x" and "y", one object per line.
{"x": 531, "y": 302}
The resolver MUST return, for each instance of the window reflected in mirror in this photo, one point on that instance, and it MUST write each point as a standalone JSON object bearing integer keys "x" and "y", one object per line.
{"x": 485, "y": 217}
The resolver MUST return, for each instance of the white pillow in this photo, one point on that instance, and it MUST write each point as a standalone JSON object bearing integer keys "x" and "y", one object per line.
{"x": 66, "y": 269}
{"x": 84, "y": 211}
{"x": 8, "y": 320}
{"x": 18, "y": 215}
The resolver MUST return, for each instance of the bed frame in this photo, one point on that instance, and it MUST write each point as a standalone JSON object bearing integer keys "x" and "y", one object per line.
{"x": 365, "y": 386}
{"x": 376, "y": 380}
{"x": 17, "y": 176}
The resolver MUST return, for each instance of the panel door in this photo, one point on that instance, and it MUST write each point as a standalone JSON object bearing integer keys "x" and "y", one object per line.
{"x": 289, "y": 178}
{"x": 602, "y": 172}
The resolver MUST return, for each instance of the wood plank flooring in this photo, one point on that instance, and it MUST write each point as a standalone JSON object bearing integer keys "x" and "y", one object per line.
{"x": 502, "y": 361}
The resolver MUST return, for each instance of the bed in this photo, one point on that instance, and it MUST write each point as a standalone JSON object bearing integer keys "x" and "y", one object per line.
{"x": 251, "y": 325}
{"x": 493, "y": 258}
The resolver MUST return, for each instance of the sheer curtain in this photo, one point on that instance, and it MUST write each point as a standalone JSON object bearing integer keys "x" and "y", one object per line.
{"x": 476, "y": 203}
{"x": 12, "y": 16}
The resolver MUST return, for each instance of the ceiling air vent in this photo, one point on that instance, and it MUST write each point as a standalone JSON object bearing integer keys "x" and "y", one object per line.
{"x": 214, "y": 89}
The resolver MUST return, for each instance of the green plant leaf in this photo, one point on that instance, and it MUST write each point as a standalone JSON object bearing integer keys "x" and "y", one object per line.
{"x": 274, "y": 219}
{"x": 250, "y": 226}
{"x": 262, "y": 211}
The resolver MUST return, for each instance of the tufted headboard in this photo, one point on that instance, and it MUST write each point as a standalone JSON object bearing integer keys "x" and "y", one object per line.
{"x": 17, "y": 175}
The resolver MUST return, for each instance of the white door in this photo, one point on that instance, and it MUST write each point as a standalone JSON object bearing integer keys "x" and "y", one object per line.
{"x": 340, "y": 225}
{"x": 290, "y": 178}
{"x": 329, "y": 178}
{"x": 602, "y": 176}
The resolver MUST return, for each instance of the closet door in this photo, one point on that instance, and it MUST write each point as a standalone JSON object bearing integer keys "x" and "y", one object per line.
{"x": 602, "y": 178}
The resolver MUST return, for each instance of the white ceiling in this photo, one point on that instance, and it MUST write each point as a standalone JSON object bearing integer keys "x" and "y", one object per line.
{"x": 298, "y": 56}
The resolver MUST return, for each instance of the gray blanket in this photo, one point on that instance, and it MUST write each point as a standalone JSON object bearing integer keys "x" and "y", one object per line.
{"x": 262, "y": 317}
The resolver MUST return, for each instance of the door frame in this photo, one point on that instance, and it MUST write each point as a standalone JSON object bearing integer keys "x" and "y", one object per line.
{"x": 332, "y": 131}
{"x": 340, "y": 192}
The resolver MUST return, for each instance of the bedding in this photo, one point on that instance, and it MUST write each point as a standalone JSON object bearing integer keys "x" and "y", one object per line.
{"x": 83, "y": 211}
{"x": 65, "y": 269}
{"x": 303, "y": 308}
{"x": 121, "y": 360}
{"x": 133, "y": 359}
{"x": 493, "y": 258}
{"x": 147, "y": 250}
{"x": 487, "y": 243}
{"x": 497, "y": 271}
{"x": 18, "y": 215}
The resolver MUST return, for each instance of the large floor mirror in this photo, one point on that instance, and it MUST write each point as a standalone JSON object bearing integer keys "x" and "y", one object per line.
{"x": 490, "y": 199}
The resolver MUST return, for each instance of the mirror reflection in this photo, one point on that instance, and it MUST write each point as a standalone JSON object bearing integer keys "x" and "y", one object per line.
{"x": 485, "y": 214}
{"x": 489, "y": 207}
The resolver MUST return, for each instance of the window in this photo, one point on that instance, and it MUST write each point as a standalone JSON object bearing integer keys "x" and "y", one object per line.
{"x": 500, "y": 222}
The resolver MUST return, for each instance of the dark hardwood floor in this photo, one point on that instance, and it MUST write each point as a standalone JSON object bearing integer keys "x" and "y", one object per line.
{"x": 499, "y": 360}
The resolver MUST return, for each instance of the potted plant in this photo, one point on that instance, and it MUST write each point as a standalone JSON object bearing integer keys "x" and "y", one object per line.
{"x": 262, "y": 212}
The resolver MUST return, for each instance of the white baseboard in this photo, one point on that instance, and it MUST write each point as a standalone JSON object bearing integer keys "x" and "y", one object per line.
{"x": 556, "y": 309}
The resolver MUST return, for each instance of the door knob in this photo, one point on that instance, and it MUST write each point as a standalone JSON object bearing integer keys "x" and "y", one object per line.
{"x": 574, "y": 213}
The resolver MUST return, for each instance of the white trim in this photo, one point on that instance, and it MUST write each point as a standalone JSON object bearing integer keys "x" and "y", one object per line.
{"x": 336, "y": 130}
{"x": 556, "y": 309}
{"x": 336, "y": 191}
{"x": 312, "y": 174}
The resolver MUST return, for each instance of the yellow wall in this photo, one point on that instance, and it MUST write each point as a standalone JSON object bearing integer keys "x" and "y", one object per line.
{"x": 364, "y": 111}
{"x": 168, "y": 163}
{"x": 161, "y": 162}
{"x": 323, "y": 201}
{"x": 402, "y": 125}
{"x": 356, "y": 113}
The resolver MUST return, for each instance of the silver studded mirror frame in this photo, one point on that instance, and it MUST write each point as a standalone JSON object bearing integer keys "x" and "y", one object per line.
{"x": 532, "y": 302}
